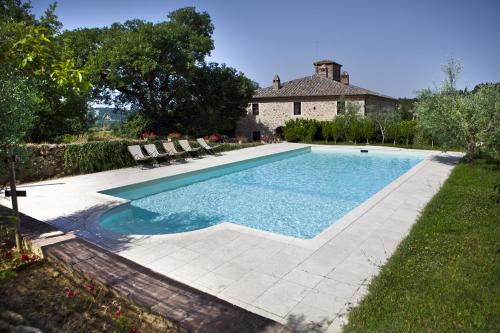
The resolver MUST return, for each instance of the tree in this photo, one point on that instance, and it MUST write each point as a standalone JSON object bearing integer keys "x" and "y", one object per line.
{"x": 451, "y": 70}
{"x": 383, "y": 120}
{"x": 147, "y": 65}
{"x": 407, "y": 130}
{"x": 471, "y": 121}
{"x": 214, "y": 102}
{"x": 30, "y": 48}
{"x": 367, "y": 128}
{"x": 28, "y": 64}
{"x": 336, "y": 128}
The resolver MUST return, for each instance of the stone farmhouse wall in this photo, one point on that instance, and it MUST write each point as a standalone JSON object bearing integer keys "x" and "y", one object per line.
{"x": 275, "y": 114}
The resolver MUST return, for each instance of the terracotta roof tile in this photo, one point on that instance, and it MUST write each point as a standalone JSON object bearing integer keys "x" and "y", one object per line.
{"x": 314, "y": 85}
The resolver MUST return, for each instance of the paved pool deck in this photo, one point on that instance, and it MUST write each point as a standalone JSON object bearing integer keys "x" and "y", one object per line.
{"x": 304, "y": 284}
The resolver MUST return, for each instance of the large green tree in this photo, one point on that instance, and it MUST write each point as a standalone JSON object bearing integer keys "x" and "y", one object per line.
{"x": 215, "y": 101}
{"x": 30, "y": 48}
{"x": 158, "y": 70}
{"x": 468, "y": 120}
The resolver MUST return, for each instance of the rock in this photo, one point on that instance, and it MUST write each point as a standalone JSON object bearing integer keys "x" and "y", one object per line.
{"x": 12, "y": 317}
{"x": 25, "y": 329}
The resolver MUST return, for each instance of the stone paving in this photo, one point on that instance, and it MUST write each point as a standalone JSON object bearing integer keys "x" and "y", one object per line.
{"x": 304, "y": 284}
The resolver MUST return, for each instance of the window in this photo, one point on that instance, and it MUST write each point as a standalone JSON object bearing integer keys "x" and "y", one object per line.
{"x": 340, "y": 107}
{"x": 296, "y": 109}
{"x": 255, "y": 109}
{"x": 256, "y": 136}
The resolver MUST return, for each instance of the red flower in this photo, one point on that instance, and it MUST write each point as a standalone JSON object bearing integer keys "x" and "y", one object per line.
{"x": 117, "y": 313}
{"x": 8, "y": 255}
{"x": 34, "y": 257}
{"x": 176, "y": 135}
{"x": 70, "y": 294}
{"x": 133, "y": 330}
{"x": 24, "y": 257}
{"x": 90, "y": 286}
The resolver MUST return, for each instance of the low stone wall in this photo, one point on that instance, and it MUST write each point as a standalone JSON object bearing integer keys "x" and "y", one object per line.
{"x": 42, "y": 161}
{"x": 46, "y": 161}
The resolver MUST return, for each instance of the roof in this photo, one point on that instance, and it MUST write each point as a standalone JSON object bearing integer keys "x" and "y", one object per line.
{"x": 314, "y": 85}
{"x": 325, "y": 62}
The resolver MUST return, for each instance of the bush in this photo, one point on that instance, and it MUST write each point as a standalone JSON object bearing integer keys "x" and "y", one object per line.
{"x": 294, "y": 130}
{"x": 97, "y": 156}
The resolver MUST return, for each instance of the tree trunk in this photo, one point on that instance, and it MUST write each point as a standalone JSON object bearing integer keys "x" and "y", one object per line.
{"x": 13, "y": 195}
{"x": 471, "y": 150}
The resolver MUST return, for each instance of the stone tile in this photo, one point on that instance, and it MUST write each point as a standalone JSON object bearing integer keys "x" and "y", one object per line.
{"x": 323, "y": 301}
{"x": 250, "y": 259}
{"x": 188, "y": 273}
{"x": 278, "y": 265}
{"x": 324, "y": 260}
{"x": 281, "y": 297}
{"x": 165, "y": 265}
{"x": 251, "y": 286}
{"x": 306, "y": 318}
{"x": 208, "y": 263}
{"x": 184, "y": 255}
{"x": 336, "y": 288}
{"x": 303, "y": 278}
{"x": 232, "y": 271}
{"x": 214, "y": 282}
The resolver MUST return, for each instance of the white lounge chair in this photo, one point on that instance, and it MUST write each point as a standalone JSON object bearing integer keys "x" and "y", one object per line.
{"x": 154, "y": 153}
{"x": 187, "y": 148}
{"x": 206, "y": 146}
{"x": 138, "y": 155}
{"x": 171, "y": 150}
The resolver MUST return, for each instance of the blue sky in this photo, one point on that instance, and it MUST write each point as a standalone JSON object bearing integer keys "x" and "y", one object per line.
{"x": 393, "y": 47}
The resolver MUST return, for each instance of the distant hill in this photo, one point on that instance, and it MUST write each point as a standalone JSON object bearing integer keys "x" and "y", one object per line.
{"x": 111, "y": 115}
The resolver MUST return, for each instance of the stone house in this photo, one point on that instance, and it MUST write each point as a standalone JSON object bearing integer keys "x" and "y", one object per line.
{"x": 320, "y": 96}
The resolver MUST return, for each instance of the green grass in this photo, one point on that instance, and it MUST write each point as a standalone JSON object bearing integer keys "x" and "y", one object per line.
{"x": 445, "y": 276}
{"x": 397, "y": 145}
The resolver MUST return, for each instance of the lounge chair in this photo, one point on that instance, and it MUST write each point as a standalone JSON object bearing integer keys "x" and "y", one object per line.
{"x": 187, "y": 148}
{"x": 154, "y": 153}
{"x": 206, "y": 146}
{"x": 138, "y": 155}
{"x": 172, "y": 151}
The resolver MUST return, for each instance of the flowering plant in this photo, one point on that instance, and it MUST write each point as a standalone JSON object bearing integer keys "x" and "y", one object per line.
{"x": 148, "y": 136}
{"x": 174, "y": 135}
{"x": 214, "y": 137}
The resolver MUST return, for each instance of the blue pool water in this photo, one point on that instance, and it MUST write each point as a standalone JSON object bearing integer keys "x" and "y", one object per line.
{"x": 296, "y": 194}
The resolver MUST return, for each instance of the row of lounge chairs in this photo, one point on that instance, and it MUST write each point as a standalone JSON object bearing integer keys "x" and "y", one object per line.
{"x": 170, "y": 151}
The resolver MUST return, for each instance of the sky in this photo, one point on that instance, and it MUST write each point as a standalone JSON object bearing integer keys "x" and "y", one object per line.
{"x": 393, "y": 47}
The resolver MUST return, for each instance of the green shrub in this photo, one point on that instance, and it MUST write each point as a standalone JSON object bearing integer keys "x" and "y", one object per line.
{"x": 97, "y": 156}
{"x": 294, "y": 130}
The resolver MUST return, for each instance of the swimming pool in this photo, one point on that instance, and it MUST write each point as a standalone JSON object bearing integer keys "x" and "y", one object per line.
{"x": 298, "y": 193}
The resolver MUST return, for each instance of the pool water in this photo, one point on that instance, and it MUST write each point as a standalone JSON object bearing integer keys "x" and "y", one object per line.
{"x": 297, "y": 194}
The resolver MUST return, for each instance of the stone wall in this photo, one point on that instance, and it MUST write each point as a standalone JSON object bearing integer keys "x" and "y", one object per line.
{"x": 40, "y": 161}
{"x": 276, "y": 113}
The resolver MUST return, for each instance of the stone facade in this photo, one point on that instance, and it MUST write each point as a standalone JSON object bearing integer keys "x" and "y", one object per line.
{"x": 273, "y": 115}
{"x": 318, "y": 95}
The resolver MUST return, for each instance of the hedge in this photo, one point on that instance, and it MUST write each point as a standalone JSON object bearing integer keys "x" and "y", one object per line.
{"x": 343, "y": 129}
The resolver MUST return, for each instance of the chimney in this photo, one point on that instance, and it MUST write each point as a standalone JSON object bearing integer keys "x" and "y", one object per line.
{"x": 327, "y": 68}
{"x": 276, "y": 82}
{"x": 344, "y": 78}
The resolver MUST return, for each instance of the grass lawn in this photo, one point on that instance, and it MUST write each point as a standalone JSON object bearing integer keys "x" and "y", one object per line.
{"x": 445, "y": 276}
{"x": 390, "y": 144}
